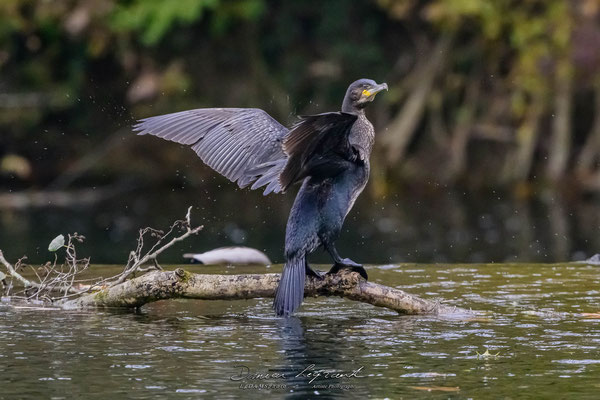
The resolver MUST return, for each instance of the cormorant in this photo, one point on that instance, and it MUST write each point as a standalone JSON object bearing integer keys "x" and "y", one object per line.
{"x": 328, "y": 153}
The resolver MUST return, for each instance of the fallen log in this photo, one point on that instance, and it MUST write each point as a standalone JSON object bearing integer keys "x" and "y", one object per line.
{"x": 162, "y": 285}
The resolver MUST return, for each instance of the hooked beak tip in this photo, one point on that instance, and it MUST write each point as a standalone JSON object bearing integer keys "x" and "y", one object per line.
{"x": 379, "y": 88}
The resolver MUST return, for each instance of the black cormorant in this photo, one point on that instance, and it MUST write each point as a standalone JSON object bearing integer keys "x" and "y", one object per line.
{"x": 328, "y": 153}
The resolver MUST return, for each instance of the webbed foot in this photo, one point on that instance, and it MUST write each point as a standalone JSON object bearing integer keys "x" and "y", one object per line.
{"x": 315, "y": 273}
{"x": 347, "y": 263}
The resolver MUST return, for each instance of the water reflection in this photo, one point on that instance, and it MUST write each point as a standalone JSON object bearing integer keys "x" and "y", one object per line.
{"x": 415, "y": 227}
{"x": 296, "y": 357}
{"x": 309, "y": 359}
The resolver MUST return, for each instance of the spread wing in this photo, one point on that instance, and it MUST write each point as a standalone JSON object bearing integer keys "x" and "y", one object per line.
{"x": 235, "y": 142}
{"x": 318, "y": 146}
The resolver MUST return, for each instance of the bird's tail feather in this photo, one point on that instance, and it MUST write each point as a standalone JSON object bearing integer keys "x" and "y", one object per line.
{"x": 290, "y": 292}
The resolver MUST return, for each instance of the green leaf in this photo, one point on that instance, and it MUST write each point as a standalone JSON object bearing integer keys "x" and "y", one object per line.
{"x": 57, "y": 243}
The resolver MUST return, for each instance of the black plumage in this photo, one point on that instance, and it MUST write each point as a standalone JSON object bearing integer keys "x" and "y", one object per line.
{"x": 317, "y": 145}
{"x": 328, "y": 153}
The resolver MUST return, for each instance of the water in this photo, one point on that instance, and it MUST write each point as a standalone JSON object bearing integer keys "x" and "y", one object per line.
{"x": 538, "y": 338}
{"x": 406, "y": 226}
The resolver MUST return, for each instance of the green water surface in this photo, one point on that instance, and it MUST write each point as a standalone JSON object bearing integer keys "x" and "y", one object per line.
{"x": 538, "y": 338}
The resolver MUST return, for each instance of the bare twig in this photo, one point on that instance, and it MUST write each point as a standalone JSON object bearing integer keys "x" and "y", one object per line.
{"x": 63, "y": 279}
{"x": 55, "y": 279}
{"x": 137, "y": 259}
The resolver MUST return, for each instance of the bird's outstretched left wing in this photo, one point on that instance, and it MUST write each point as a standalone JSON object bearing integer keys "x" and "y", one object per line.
{"x": 233, "y": 141}
{"x": 318, "y": 146}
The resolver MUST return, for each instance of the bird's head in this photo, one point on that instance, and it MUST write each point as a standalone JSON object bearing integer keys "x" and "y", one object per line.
{"x": 360, "y": 93}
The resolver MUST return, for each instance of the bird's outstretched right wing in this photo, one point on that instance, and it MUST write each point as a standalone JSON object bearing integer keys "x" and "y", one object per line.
{"x": 232, "y": 141}
{"x": 318, "y": 146}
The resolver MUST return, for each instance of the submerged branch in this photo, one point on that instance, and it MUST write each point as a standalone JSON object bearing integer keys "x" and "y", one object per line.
{"x": 162, "y": 285}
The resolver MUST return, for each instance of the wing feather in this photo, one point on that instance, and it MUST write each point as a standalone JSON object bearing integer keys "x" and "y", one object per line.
{"x": 249, "y": 147}
{"x": 232, "y": 141}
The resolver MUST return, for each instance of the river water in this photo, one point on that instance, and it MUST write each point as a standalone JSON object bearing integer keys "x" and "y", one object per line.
{"x": 538, "y": 336}
{"x": 408, "y": 226}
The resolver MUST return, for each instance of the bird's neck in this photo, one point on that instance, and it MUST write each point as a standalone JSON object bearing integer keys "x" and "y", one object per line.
{"x": 349, "y": 108}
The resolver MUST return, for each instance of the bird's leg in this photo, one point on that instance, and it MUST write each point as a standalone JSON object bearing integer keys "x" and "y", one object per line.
{"x": 342, "y": 263}
{"x": 314, "y": 273}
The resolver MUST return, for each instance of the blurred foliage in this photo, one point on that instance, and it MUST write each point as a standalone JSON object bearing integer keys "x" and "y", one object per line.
{"x": 72, "y": 72}
{"x": 532, "y": 31}
{"x": 153, "y": 19}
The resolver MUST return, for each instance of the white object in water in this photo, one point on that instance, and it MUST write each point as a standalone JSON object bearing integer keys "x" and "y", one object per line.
{"x": 236, "y": 255}
{"x": 593, "y": 260}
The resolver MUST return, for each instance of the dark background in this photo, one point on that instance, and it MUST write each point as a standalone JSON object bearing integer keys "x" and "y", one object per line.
{"x": 487, "y": 147}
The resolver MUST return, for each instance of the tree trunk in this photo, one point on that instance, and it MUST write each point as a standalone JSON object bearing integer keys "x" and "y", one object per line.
{"x": 519, "y": 162}
{"x": 560, "y": 144}
{"x": 465, "y": 116}
{"x": 161, "y": 285}
{"x": 400, "y": 131}
{"x": 591, "y": 148}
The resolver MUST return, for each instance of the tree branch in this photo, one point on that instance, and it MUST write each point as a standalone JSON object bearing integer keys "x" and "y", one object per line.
{"x": 162, "y": 285}
{"x": 13, "y": 272}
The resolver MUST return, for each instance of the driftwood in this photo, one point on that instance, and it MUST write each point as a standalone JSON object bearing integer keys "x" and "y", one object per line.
{"x": 60, "y": 285}
{"x": 161, "y": 285}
